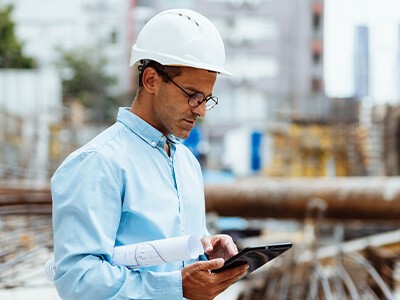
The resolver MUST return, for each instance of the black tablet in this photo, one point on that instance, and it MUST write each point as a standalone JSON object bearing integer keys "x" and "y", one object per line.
{"x": 255, "y": 257}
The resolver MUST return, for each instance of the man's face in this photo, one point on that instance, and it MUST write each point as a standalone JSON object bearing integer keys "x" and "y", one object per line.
{"x": 171, "y": 109}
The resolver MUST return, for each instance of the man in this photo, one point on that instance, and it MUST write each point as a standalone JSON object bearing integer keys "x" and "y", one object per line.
{"x": 136, "y": 182}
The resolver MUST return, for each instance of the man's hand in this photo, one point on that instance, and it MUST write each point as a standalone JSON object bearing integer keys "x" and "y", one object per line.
{"x": 219, "y": 246}
{"x": 200, "y": 284}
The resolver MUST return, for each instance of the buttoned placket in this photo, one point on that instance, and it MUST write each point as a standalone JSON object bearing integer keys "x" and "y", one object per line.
{"x": 176, "y": 175}
{"x": 171, "y": 162}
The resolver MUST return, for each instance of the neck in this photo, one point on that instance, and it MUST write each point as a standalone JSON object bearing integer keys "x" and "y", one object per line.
{"x": 141, "y": 107}
{"x": 138, "y": 108}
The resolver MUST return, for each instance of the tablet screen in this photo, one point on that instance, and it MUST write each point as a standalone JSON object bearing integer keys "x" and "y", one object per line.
{"x": 255, "y": 257}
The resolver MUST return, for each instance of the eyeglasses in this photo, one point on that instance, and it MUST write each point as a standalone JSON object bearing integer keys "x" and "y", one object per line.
{"x": 195, "y": 99}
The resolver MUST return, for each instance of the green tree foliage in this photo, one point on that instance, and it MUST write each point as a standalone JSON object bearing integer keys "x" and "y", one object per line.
{"x": 11, "y": 55}
{"x": 85, "y": 81}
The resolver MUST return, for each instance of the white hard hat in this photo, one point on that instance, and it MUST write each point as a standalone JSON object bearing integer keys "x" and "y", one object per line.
{"x": 181, "y": 37}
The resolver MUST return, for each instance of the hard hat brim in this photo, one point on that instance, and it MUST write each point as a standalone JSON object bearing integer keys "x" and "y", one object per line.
{"x": 169, "y": 60}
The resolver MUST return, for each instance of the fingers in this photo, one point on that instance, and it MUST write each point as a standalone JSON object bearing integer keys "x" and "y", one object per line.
{"x": 211, "y": 264}
{"x": 232, "y": 249}
{"x": 225, "y": 240}
{"x": 220, "y": 245}
{"x": 199, "y": 283}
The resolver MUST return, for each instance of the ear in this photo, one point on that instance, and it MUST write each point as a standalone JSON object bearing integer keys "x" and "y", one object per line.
{"x": 150, "y": 80}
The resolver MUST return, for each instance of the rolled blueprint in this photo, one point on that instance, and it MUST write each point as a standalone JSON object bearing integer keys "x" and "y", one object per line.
{"x": 149, "y": 253}
{"x": 158, "y": 252}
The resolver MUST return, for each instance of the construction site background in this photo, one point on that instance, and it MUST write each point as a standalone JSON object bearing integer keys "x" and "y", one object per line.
{"x": 354, "y": 140}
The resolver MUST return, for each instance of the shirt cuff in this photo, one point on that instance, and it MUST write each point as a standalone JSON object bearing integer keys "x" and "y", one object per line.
{"x": 169, "y": 285}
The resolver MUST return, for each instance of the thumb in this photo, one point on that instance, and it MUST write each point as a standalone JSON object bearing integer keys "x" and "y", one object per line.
{"x": 212, "y": 264}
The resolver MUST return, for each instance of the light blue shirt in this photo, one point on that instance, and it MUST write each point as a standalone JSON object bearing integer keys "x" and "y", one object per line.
{"x": 122, "y": 188}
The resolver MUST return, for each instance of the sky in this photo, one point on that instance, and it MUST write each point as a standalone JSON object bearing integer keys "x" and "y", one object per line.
{"x": 383, "y": 19}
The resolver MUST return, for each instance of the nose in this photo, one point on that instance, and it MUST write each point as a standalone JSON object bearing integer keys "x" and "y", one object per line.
{"x": 200, "y": 110}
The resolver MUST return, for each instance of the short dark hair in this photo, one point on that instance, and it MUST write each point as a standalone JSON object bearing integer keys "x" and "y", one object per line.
{"x": 164, "y": 71}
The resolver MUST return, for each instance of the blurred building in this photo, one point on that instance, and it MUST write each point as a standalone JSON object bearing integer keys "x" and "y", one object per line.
{"x": 103, "y": 26}
{"x": 275, "y": 50}
{"x": 361, "y": 62}
{"x": 344, "y": 20}
{"x": 398, "y": 61}
{"x": 36, "y": 131}
{"x": 30, "y": 102}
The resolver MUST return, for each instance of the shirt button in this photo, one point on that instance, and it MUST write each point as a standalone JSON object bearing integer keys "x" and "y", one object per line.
{"x": 153, "y": 143}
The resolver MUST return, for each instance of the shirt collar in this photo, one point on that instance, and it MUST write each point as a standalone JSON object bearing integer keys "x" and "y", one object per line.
{"x": 144, "y": 130}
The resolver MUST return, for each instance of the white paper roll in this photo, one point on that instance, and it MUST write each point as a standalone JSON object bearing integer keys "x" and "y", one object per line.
{"x": 148, "y": 253}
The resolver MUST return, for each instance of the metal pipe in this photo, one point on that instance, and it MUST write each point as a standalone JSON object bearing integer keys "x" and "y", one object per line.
{"x": 373, "y": 198}
{"x": 364, "y": 198}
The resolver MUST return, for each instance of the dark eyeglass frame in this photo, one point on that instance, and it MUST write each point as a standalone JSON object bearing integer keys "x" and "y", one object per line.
{"x": 196, "y": 98}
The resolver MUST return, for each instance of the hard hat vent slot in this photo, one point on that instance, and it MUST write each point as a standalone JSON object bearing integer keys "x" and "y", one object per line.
{"x": 185, "y": 16}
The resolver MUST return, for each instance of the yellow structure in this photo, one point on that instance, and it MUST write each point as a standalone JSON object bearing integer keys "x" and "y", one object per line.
{"x": 317, "y": 149}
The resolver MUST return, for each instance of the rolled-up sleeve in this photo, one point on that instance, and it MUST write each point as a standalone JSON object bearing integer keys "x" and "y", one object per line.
{"x": 87, "y": 199}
